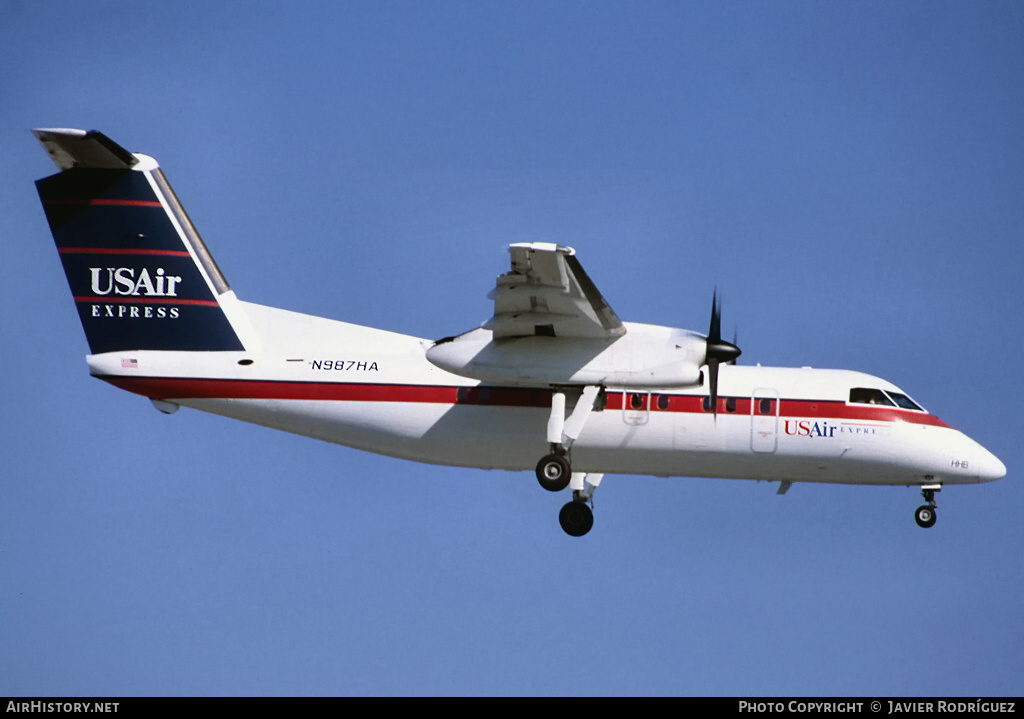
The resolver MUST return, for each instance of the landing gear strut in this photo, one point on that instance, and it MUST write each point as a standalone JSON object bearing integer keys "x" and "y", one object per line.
{"x": 925, "y": 514}
{"x": 554, "y": 471}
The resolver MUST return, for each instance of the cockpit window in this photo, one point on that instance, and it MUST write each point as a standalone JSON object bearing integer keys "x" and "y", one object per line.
{"x": 889, "y": 398}
{"x": 863, "y": 395}
{"x": 904, "y": 401}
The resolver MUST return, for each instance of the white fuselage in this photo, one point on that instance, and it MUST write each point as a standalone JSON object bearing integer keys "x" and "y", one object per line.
{"x": 375, "y": 390}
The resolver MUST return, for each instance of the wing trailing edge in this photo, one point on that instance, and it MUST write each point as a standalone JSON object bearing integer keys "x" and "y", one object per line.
{"x": 547, "y": 293}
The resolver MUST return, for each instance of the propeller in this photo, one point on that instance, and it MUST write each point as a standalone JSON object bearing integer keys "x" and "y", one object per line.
{"x": 718, "y": 350}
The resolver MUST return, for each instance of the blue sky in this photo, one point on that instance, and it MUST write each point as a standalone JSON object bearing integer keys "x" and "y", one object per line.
{"x": 849, "y": 175}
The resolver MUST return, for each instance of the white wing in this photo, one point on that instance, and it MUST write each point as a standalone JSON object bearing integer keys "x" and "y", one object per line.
{"x": 548, "y": 294}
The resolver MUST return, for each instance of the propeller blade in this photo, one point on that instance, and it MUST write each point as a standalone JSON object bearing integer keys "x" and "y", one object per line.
{"x": 713, "y": 381}
{"x": 718, "y": 350}
{"x": 715, "y": 331}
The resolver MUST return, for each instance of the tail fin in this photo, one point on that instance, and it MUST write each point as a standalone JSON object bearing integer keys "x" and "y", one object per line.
{"x": 141, "y": 277}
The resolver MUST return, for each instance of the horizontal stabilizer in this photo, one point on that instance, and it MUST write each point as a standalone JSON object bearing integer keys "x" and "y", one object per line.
{"x": 80, "y": 148}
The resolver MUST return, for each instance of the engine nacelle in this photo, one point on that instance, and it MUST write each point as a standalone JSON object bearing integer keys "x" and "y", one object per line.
{"x": 645, "y": 356}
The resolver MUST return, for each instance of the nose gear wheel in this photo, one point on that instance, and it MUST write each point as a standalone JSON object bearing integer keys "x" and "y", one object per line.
{"x": 925, "y": 514}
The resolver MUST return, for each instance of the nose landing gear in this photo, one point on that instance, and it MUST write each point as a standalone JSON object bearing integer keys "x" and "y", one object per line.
{"x": 925, "y": 514}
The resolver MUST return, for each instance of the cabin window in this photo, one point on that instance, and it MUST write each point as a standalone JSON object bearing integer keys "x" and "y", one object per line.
{"x": 636, "y": 401}
{"x": 705, "y": 403}
{"x": 730, "y": 404}
{"x": 764, "y": 405}
{"x": 662, "y": 401}
{"x": 864, "y": 395}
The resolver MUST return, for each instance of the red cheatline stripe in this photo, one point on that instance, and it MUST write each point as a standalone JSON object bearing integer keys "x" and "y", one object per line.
{"x": 870, "y": 413}
{"x": 146, "y": 301}
{"x": 789, "y": 408}
{"x": 173, "y": 388}
{"x": 105, "y": 203}
{"x": 120, "y": 251}
{"x": 182, "y": 388}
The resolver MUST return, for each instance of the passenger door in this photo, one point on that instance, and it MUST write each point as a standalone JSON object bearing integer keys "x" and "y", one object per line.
{"x": 636, "y": 407}
{"x": 764, "y": 420}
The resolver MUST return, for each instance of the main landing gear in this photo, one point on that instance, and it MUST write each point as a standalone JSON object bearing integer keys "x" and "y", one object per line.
{"x": 554, "y": 470}
{"x": 576, "y": 517}
{"x": 925, "y": 514}
{"x": 555, "y": 474}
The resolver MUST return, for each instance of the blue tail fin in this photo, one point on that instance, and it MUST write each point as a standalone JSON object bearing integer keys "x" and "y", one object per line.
{"x": 141, "y": 277}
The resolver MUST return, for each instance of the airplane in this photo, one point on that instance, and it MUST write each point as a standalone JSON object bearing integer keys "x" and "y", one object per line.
{"x": 554, "y": 381}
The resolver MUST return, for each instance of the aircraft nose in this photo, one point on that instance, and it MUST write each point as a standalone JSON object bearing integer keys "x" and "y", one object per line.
{"x": 970, "y": 459}
{"x": 991, "y": 467}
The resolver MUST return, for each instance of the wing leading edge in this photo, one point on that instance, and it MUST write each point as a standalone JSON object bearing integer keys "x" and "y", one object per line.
{"x": 547, "y": 293}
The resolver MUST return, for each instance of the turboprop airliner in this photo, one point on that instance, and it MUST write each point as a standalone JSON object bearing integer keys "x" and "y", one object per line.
{"x": 554, "y": 381}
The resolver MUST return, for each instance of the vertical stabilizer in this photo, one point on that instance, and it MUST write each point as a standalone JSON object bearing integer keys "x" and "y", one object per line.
{"x": 140, "y": 275}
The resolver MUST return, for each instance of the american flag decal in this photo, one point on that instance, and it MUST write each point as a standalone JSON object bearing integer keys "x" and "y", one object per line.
{"x": 129, "y": 364}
